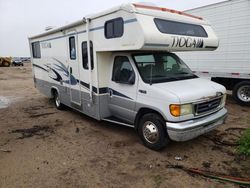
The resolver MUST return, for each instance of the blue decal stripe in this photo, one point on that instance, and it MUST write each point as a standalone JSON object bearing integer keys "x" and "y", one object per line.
{"x": 92, "y": 29}
{"x": 96, "y": 28}
{"x": 58, "y": 76}
{"x": 86, "y": 85}
{"x": 53, "y": 38}
{"x": 102, "y": 90}
{"x": 119, "y": 94}
{"x": 80, "y": 32}
{"x": 38, "y": 66}
{"x": 130, "y": 21}
{"x": 156, "y": 45}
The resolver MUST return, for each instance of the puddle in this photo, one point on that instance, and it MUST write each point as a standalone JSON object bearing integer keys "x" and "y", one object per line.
{"x": 35, "y": 130}
{"x": 6, "y": 101}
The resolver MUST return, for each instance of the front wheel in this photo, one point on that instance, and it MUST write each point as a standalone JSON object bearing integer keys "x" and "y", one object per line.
{"x": 241, "y": 93}
{"x": 152, "y": 132}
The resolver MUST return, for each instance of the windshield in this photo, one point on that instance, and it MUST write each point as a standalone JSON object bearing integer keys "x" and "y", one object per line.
{"x": 161, "y": 67}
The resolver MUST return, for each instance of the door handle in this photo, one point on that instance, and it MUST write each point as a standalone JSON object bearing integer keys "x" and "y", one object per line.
{"x": 70, "y": 70}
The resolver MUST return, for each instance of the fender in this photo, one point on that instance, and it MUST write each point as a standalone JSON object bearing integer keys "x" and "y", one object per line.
{"x": 53, "y": 87}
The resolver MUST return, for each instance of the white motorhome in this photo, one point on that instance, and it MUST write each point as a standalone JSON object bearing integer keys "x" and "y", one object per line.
{"x": 229, "y": 65}
{"x": 118, "y": 66}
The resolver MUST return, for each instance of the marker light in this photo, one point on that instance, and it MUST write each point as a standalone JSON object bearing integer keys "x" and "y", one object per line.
{"x": 175, "y": 110}
{"x": 223, "y": 101}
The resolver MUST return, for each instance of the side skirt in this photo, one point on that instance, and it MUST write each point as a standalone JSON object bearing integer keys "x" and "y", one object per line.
{"x": 113, "y": 119}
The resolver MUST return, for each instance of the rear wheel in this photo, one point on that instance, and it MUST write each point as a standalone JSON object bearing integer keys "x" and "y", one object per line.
{"x": 57, "y": 101}
{"x": 241, "y": 93}
{"x": 152, "y": 132}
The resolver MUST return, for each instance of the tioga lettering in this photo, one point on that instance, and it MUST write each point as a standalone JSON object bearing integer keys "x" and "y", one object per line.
{"x": 187, "y": 42}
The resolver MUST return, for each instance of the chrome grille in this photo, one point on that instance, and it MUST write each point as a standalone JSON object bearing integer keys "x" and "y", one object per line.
{"x": 208, "y": 106}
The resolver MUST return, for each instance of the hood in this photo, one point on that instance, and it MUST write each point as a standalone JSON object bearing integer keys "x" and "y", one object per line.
{"x": 191, "y": 90}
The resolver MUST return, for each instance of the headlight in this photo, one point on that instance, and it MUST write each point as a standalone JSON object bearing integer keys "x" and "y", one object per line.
{"x": 180, "y": 110}
{"x": 223, "y": 101}
{"x": 186, "y": 109}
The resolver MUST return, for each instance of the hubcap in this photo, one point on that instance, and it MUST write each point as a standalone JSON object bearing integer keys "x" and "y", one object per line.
{"x": 150, "y": 132}
{"x": 244, "y": 93}
{"x": 57, "y": 101}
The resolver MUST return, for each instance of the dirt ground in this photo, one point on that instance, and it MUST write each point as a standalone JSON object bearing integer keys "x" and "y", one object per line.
{"x": 43, "y": 147}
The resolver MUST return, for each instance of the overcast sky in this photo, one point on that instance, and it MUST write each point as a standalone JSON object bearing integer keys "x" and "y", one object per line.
{"x": 22, "y": 18}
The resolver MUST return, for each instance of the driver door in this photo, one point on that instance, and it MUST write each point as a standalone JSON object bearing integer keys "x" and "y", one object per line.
{"x": 122, "y": 89}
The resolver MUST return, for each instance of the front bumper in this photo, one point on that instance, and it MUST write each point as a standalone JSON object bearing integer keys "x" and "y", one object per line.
{"x": 187, "y": 130}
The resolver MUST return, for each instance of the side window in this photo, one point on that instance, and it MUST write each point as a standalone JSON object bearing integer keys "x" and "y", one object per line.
{"x": 72, "y": 48}
{"x": 123, "y": 71}
{"x": 36, "y": 51}
{"x": 179, "y": 28}
{"x": 114, "y": 28}
{"x": 85, "y": 55}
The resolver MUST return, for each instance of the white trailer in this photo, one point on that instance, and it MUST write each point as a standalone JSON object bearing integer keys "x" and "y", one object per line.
{"x": 229, "y": 65}
{"x": 117, "y": 66}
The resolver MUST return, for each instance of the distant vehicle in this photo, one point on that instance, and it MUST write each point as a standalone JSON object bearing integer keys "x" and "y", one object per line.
{"x": 118, "y": 66}
{"x": 17, "y": 62}
{"x": 229, "y": 65}
{"x": 25, "y": 59}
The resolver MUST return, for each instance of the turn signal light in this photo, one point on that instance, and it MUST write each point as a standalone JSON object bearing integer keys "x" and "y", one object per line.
{"x": 175, "y": 110}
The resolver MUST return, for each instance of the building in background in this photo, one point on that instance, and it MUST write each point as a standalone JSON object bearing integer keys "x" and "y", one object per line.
{"x": 229, "y": 65}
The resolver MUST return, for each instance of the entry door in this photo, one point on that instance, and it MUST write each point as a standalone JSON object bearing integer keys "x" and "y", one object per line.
{"x": 74, "y": 72}
{"x": 122, "y": 89}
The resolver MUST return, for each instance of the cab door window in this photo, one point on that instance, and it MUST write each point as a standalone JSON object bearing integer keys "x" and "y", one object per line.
{"x": 123, "y": 71}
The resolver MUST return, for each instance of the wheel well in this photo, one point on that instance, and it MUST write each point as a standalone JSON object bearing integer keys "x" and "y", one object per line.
{"x": 53, "y": 92}
{"x": 142, "y": 112}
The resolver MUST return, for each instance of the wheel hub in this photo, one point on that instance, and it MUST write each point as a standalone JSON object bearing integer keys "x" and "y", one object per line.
{"x": 150, "y": 132}
{"x": 244, "y": 93}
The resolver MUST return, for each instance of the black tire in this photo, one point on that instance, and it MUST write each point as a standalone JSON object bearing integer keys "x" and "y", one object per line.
{"x": 157, "y": 124}
{"x": 241, "y": 93}
{"x": 57, "y": 102}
